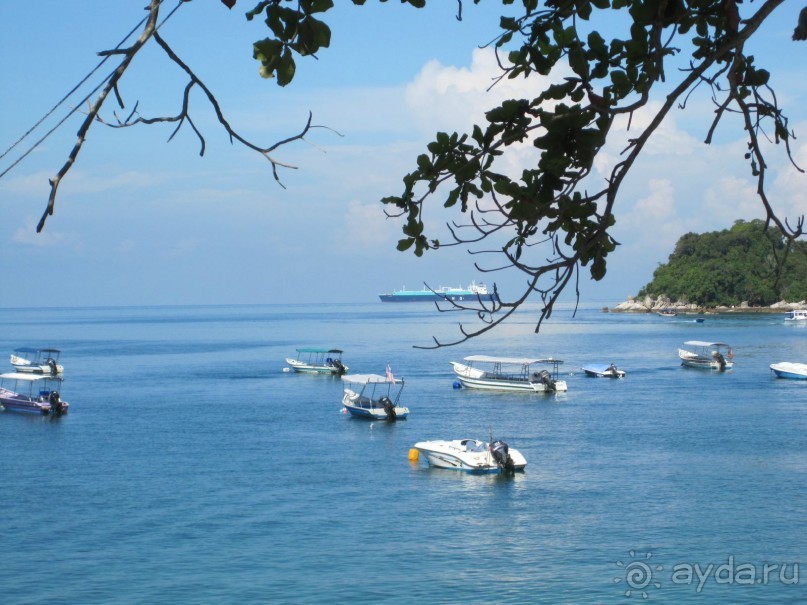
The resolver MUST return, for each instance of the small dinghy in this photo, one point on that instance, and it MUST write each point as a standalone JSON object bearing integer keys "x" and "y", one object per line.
{"x": 788, "y": 369}
{"x": 604, "y": 371}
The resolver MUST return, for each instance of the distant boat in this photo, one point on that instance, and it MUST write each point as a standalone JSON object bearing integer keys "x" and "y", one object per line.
{"x": 706, "y": 355}
{"x": 318, "y": 361}
{"x": 474, "y": 292}
{"x": 39, "y": 361}
{"x": 508, "y": 374}
{"x": 796, "y": 315}
{"x": 604, "y": 371}
{"x": 787, "y": 369}
{"x": 666, "y": 313}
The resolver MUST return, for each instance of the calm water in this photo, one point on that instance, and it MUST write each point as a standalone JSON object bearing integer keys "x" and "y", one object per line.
{"x": 193, "y": 469}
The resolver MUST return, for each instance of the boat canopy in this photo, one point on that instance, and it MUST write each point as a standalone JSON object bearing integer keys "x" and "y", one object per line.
{"x": 369, "y": 379}
{"x": 32, "y": 350}
{"x": 703, "y": 343}
{"x": 319, "y": 350}
{"x": 512, "y": 360}
{"x": 28, "y": 376}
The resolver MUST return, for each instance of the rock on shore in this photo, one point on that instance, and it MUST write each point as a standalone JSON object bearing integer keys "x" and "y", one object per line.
{"x": 651, "y": 305}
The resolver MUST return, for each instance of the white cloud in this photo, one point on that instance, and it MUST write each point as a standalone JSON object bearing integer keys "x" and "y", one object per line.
{"x": 26, "y": 235}
{"x": 454, "y": 98}
{"x": 366, "y": 227}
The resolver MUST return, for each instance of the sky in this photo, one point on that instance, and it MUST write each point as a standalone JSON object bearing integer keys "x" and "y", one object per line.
{"x": 140, "y": 220}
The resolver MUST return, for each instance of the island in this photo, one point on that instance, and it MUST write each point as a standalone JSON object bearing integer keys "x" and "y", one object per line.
{"x": 744, "y": 269}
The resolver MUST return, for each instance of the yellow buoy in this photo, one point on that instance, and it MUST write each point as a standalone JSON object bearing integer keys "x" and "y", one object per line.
{"x": 413, "y": 455}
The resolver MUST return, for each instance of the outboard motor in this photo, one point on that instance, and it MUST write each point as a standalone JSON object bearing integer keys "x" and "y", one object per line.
{"x": 340, "y": 367}
{"x": 54, "y": 369}
{"x": 546, "y": 379}
{"x": 501, "y": 454}
{"x": 721, "y": 361}
{"x": 389, "y": 408}
{"x": 56, "y": 404}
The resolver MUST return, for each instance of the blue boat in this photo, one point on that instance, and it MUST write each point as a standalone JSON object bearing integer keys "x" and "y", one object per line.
{"x": 474, "y": 292}
{"x": 374, "y": 397}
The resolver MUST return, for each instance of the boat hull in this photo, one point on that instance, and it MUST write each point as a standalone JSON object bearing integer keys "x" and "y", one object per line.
{"x": 306, "y": 368}
{"x": 14, "y": 402}
{"x": 454, "y": 455}
{"x": 378, "y": 413}
{"x": 369, "y": 409}
{"x": 474, "y": 378}
{"x": 603, "y": 372}
{"x": 432, "y": 297}
{"x": 791, "y": 371}
{"x": 691, "y": 360}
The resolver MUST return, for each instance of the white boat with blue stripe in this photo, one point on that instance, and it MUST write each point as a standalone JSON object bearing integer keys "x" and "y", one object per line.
{"x": 509, "y": 374}
{"x": 791, "y": 370}
{"x": 374, "y": 397}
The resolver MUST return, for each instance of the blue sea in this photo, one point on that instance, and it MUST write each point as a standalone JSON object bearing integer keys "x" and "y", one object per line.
{"x": 193, "y": 469}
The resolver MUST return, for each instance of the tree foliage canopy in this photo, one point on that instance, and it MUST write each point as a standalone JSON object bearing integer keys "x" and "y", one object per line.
{"x": 743, "y": 264}
{"x": 552, "y": 219}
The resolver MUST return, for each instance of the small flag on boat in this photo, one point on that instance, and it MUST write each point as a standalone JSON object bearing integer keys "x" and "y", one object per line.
{"x": 390, "y": 377}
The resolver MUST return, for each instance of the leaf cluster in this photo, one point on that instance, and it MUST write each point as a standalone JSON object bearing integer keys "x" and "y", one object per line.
{"x": 549, "y": 206}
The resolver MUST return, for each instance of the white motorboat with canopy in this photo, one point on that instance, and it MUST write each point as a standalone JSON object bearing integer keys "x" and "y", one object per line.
{"x": 38, "y": 361}
{"x": 374, "y": 397}
{"x": 471, "y": 455}
{"x": 314, "y": 360}
{"x": 32, "y": 392}
{"x": 509, "y": 374}
{"x": 706, "y": 355}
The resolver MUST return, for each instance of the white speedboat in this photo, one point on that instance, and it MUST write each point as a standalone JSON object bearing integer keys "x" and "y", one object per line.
{"x": 471, "y": 455}
{"x": 38, "y": 361}
{"x": 318, "y": 361}
{"x": 509, "y": 374}
{"x": 706, "y": 355}
{"x": 787, "y": 369}
{"x": 604, "y": 371}
{"x": 374, "y": 397}
{"x": 32, "y": 392}
{"x": 796, "y": 315}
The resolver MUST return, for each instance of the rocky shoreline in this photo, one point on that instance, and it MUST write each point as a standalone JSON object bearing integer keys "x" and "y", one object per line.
{"x": 651, "y": 305}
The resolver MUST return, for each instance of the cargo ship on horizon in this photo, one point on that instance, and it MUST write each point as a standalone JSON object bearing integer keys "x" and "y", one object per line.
{"x": 474, "y": 292}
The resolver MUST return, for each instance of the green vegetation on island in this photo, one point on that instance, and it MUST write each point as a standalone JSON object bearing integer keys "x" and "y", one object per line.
{"x": 734, "y": 266}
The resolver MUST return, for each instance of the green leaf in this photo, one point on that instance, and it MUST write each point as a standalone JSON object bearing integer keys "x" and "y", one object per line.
{"x": 316, "y": 6}
{"x": 286, "y": 68}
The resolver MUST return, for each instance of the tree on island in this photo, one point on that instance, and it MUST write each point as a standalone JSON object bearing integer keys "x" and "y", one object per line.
{"x": 733, "y": 266}
{"x": 552, "y": 219}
